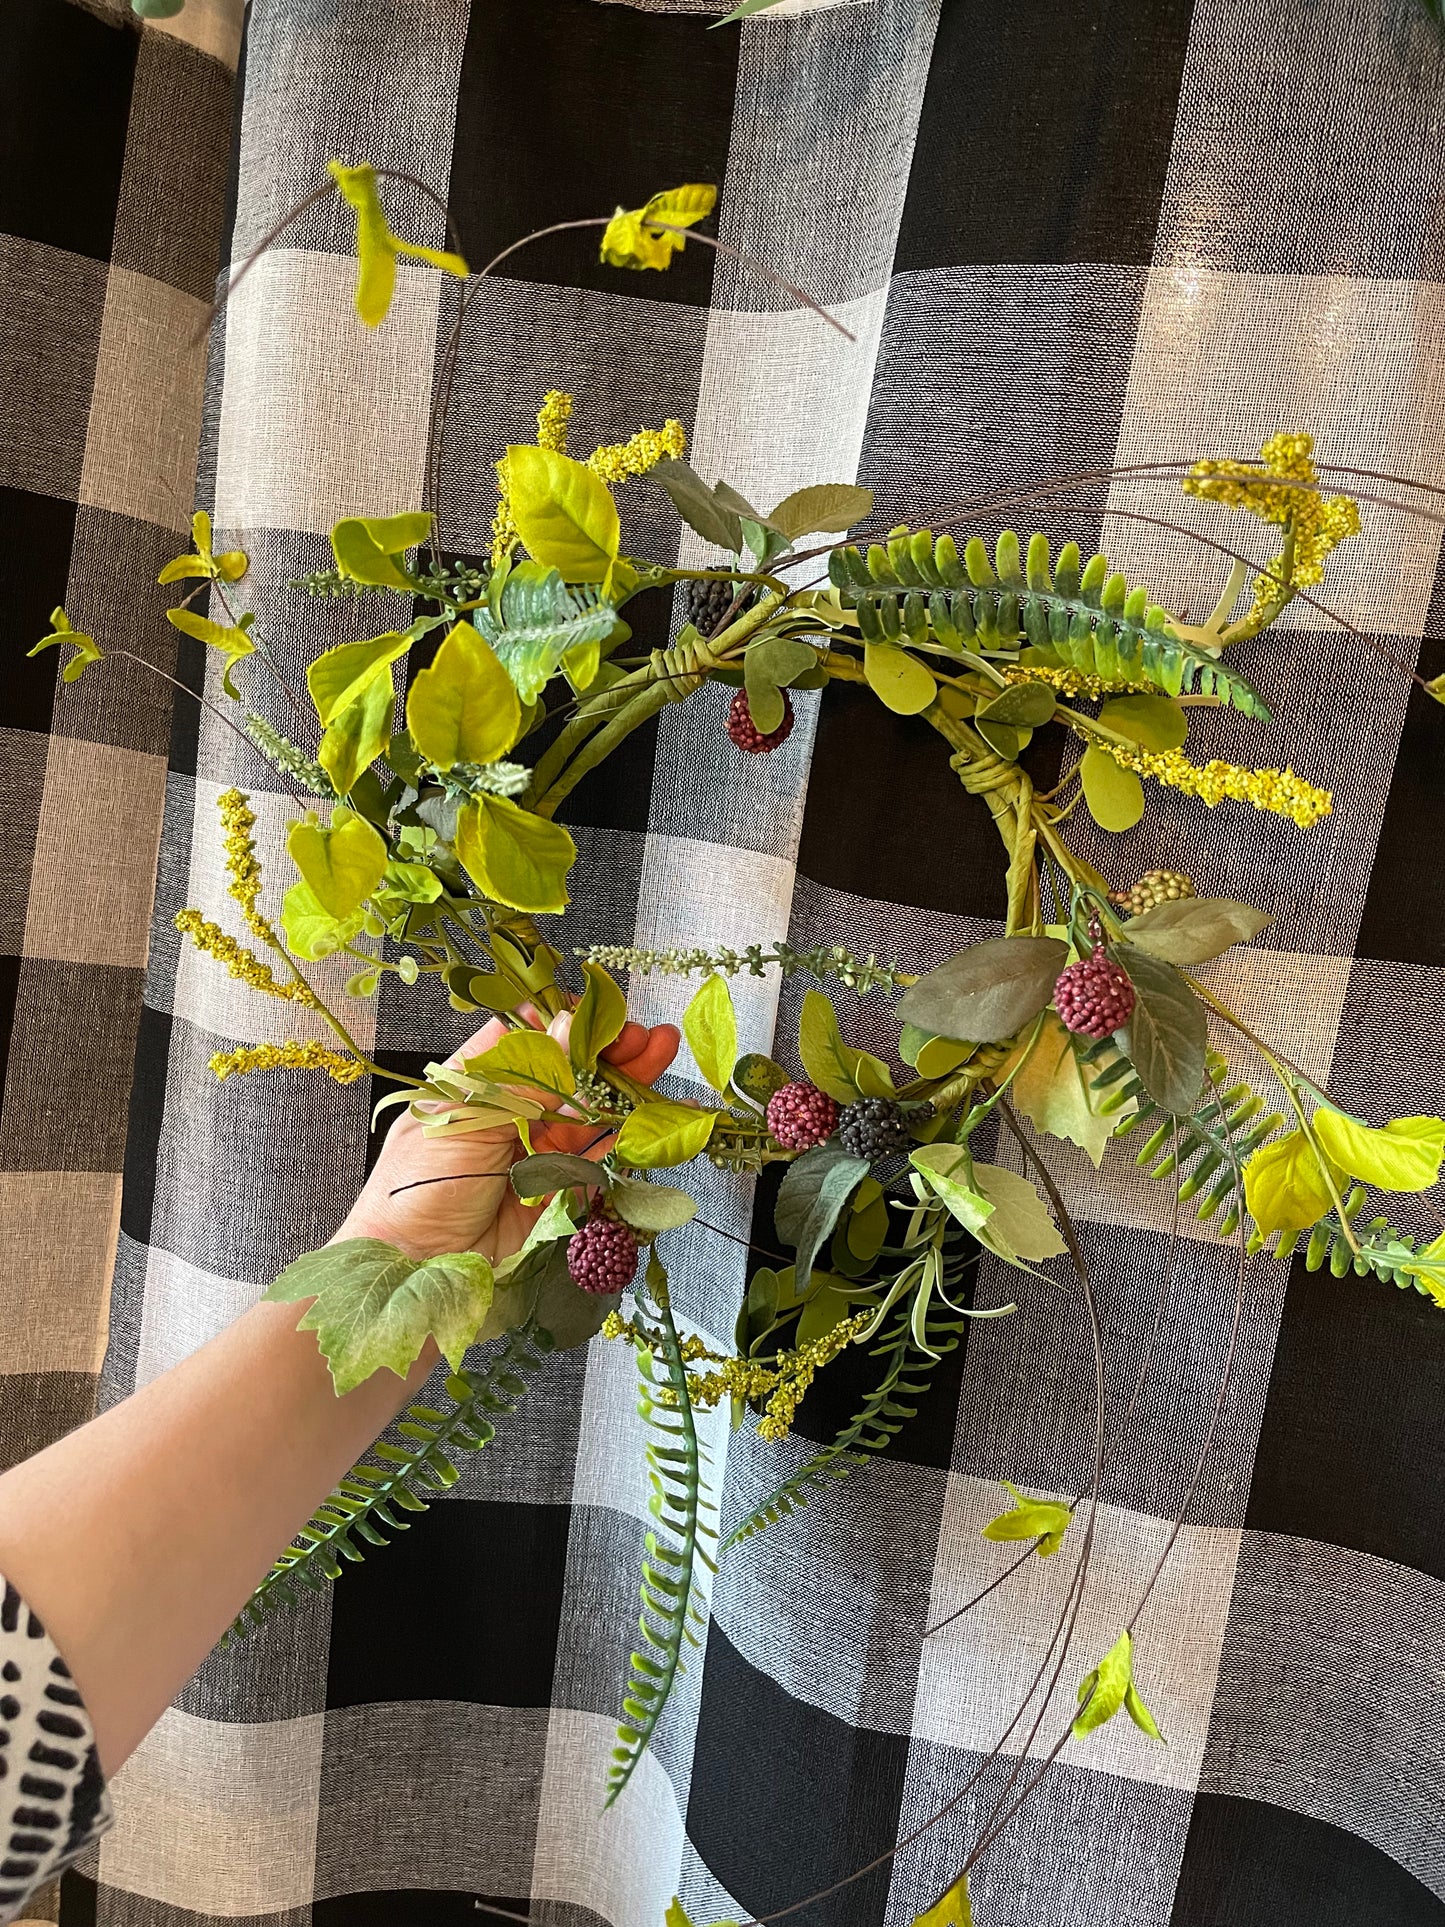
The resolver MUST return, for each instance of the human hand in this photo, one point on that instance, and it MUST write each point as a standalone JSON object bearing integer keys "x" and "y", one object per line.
{"x": 430, "y": 1195}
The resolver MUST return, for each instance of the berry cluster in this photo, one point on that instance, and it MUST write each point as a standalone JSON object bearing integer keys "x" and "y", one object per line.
{"x": 708, "y": 602}
{"x": 876, "y": 1127}
{"x": 1155, "y": 886}
{"x": 801, "y": 1116}
{"x": 1094, "y": 996}
{"x": 745, "y": 732}
{"x": 602, "y": 1255}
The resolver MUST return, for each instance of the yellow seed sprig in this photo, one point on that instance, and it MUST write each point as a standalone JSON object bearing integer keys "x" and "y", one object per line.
{"x": 241, "y": 962}
{"x": 617, "y": 461}
{"x": 288, "y": 1056}
{"x": 1320, "y": 522}
{"x": 1072, "y": 682}
{"x": 243, "y": 866}
{"x": 552, "y": 419}
{"x": 1279, "y": 790}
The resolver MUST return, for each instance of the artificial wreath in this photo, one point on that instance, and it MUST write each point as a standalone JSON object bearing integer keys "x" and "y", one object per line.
{"x": 426, "y": 844}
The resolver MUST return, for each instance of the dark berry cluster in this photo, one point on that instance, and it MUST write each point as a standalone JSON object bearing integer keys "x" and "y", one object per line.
{"x": 602, "y": 1256}
{"x": 1094, "y": 996}
{"x": 708, "y": 602}
{"x": 800, "y": 1116}
{"x": 876, "y": 1127}
{"x": 745, "y": 732}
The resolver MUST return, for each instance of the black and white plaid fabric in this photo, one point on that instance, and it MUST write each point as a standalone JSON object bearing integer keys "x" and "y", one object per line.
{"x": 1065, "y": 236}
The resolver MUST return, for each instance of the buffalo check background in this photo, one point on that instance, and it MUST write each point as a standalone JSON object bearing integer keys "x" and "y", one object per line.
{"x": 1066, "y": 234}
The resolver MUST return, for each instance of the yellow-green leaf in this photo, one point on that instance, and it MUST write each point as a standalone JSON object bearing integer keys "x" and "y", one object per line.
{"x": 1106, "y": 1686}
{"x": 829, "y": 1062}
{"x": 357, "y": 736}
{"x": 530, "y": 1056}
{"x": 515, "y": 857}
{"x": 710, "y": 1026}
{"x": 311, "y": 931}
{"x": 87, "y": 650}
{"x": 1141, "y": 1716}
{"x": 1402, "y": 1156}
{"x": 377, "y": 247}
{"x": 464, "y": 707}
{"x": 1050, "y": 1089}
{"x": 898, "y": 680}
{"x": 1020, "y": 1225}
{"x": 948, "y": 1169}
{"x": 1284, "y": 1185}
{"x": 954, "y": 1909}
{"x": 366, "y": 547}
{"x": 629, "y": 242}
{"x": 661, "y": 1132}
{"x": 341, "y": 676}
{"x": 1046, "y": 1520}
{"x": 1154, "y": 722}
{"x": 564, "y": 513}
{"x": 1115, "y": 795}
{"x": 233, "y": 642}
{"x": 598, "y": 1018}
{"x": 342, "y": 864}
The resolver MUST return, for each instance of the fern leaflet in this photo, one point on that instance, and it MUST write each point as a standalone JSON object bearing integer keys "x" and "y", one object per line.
{"x": 1383, "y": 1251}
{"x": 1074, "y": 615}
{"x": 539, "y": 620}
{"x": 372, "y": 1495}
{"x": 672, "y": 1606}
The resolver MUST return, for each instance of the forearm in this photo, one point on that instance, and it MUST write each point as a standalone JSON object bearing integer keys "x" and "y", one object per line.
{"x": 138, "y": 1538}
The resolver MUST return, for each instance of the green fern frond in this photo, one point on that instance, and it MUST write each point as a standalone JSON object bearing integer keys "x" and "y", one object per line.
{"x": 673, "y": 1612}
{"x": 1384, "y": 1252}
{"x": 539, "y": 619}
{"x": 882, "y": 1415}
{"x": 372, "y": 1495}
{"x": 1073, "y": 615}
{"x": 1212, "y": 1144}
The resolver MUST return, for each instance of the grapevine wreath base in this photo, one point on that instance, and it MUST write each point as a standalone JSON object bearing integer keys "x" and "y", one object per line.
{"x": 425, "y": 843}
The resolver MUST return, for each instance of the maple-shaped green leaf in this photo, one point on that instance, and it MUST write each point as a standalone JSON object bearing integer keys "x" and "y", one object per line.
{"x": 1050, "y": 1089}
{"x": 377, "y": 247}
{"x": 953, "y": 1909}
{"x": 87, "y": 649}
{"x": 375, "y": 1307}
{"x": 632, "y": 239}
{"x": 1046, "y": 1520}
{"x": 1110, "y": 1686}
{"x": 227, "y": 567}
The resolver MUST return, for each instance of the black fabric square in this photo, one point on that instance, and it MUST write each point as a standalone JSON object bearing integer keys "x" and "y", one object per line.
{"x": 786, "y": 1799}
{"x": 887, "y": 816}
{"x": 84, "y": 67}
{"x": 147, "y": 1115}
{"x": 34, "y": 567}
{"x": 1045, "y": 133}
{"x": 1404, "y": 918}
{"x": 464, "y": 1606}
{"x": 65, "y": 1110}
{"x": 1350, "y": 1451}
{"x": 417, "y": 1908}
{"x": 1249, "y": 1864}
{"x": 568, "y": 109}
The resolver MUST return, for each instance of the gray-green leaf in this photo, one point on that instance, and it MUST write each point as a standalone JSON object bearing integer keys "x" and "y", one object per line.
{"x": 1167, "y": 1034}
{"x": 988, "y": 992}
{"x": 698, "y": 505}
{"x": 650, "y": 1208}
{"x": 1190, "y": 930}
{"x": 811, "y": 1198}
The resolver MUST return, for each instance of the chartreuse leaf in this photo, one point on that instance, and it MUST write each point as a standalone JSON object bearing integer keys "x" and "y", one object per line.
{"x": 87, "y": 649}
{"x": 1108, "y": 1687}
{"x": 1284, "y": 1185}
{"x": 827, "y": 508}
{"x": 1115, "y": 795}
{"x": 835, "y": 1067}
{"x": 988, "y": 992}
{"x": 898, "y": 680}
{"x": 229, "y": 567}
{"x": 342, "y": 864}
{"x": 233, "y": 641}
{"x": 1049, "y": 1089}
{"x": 710, "y": 1026}
{"x": 1046, "y": 1520}
{"x": 377, "y": 247}
{"x": 375, "y": 1307}
{"x": 811, "y": 1197}
{"x": 948, "y": 1171}
{"x": 954, "y": 1909}
{"x": 1191, "y": 930}
{"x": 515, "y": 857}
{"x": 1402, "y": 1156}
{"x": 357, "y": 735}
{"x": 757, "y": 1077}
{"x": 677, "y": 1915}
{"x": 366, "y": 547}
{"x": 1020, "y": 1225}
{"x": 1153, "y": 722}
{"x": 464, "y": 707}
{"x": 528, "y": 1056}
{"x": 629, "y": 242}
{"x": 660, "y": 1132}
{"x": 564, "y": 513}
{"x": 598, "y": 1019}
{"x": 341, "y": 676}
{"x": 1167, "y": 1034}
{"x": 311, "y": 931}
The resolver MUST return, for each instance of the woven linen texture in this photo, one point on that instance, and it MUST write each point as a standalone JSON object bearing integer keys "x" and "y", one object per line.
{"x": 1065, "y": 237}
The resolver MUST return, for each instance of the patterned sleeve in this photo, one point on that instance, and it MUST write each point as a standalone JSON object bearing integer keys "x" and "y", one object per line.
{"x": 53, "y": 1801}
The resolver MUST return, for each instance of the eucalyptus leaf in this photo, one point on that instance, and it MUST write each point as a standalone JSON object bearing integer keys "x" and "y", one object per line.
{"x": 1115, "y": 795}
{"x": 988, "y": 992}
{"x": 649, "y": 1208}
{"x": 1153, "y": 722}
{"x": 899, "y": 681}
{"x": 814, "y": 1190}
{"x": 1026, "y": 705}
{"x": 1190, "y": 930}
{"x": 697, "y": 504}
{"x": 548, "y": 1171}
{"x": 1167, "y": 1034}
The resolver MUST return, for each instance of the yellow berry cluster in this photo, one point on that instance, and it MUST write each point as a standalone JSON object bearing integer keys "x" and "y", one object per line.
{"x": 242, "y": 863}
{"x": 552, "y": 419}
{"x": 288, "y": 1056}
{"x": 1319, "y": 522}
{"x": 1279, "y": 790}
{"x": 620, "y": 460}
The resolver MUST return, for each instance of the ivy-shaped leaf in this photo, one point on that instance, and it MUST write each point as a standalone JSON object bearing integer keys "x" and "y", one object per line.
{"x": 377, "y": 247}
{"x": 463, "y": 708}
{"x": 342, "y": 864}
{"x": 514, "y": 857}
{"x": 375, "y": 1307}
{"x": 311, "y": 931}
{"x": 1046, "y": 1520}
{"x": 227, "y": 567}
{"x": 1404, "y": 1155}
{"x": 1050, "y": 1090}
{"x": 87, "y": 649}
{"x": 947, "y": 1169}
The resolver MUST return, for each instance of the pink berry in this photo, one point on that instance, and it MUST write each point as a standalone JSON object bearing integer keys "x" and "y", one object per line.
{"x": 602, "y": 1256}
{"x": 1094, "y": 996}
{"x": 800, "y": 1116}
{"x": 745, "y": 732}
